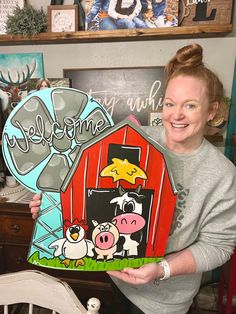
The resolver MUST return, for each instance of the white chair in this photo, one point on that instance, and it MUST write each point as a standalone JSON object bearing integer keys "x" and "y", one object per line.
{"x": 39, "y": 289}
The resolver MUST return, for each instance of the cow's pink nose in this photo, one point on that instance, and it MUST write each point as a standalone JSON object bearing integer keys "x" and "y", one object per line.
{"x": 129, "y": 223}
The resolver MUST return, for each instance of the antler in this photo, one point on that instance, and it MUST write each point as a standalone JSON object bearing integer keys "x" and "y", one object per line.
{"x": 25, "y": 76}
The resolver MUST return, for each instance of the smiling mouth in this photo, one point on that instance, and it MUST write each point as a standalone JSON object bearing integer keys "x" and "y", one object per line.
{"x": 179, "y": 126}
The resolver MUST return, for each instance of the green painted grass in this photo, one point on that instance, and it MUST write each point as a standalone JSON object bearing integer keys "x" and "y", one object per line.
{"x": 90, "y": 264}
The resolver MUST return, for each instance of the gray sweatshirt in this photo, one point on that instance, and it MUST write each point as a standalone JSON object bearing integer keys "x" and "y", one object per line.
{"x": 204, "y": 222}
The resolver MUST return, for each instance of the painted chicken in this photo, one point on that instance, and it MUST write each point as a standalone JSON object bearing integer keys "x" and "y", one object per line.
{"x": 74, "y": 246}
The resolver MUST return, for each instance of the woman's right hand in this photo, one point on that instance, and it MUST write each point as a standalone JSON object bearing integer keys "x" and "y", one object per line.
{"x": 34, "y": 205}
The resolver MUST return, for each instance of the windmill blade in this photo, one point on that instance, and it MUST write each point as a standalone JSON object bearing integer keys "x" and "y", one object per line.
{"x": 54, "y": 173}
{"x": 34, "y": 115}
{"x": 68, "y": 103}
{"x": 93, "y": 125}
{"x": 27, "y": 159}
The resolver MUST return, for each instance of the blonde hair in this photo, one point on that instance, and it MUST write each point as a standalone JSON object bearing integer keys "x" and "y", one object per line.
{"x": 188, "y": 62}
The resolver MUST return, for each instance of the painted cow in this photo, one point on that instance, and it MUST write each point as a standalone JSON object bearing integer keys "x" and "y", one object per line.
{"x": 105, "y": 237}
{"x": 129, "y": 221}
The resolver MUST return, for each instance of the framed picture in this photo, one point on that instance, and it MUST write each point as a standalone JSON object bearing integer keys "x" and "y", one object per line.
{"x": 150, "y": 14}
{"x": 54, "y": 82}
{"x": 205, "y": 12}
{"x": 7, "y": 8}
{"x": 63, "y": 18}
{"x": 155, "y": 118}
{"x": 122, "y": 91}
{"x": 18, "y": 68}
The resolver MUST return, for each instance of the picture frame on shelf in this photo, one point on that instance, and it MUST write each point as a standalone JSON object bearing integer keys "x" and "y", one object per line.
{"x": 7, "y": 8}
{"x": 155, "y": 118}
{"x": 63, "y": 18}
{"x": 152, "y": 14}
{"x": 205, "y": 12}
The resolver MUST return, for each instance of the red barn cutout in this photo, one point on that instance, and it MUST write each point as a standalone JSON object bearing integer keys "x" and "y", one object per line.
{"x": 121, "y": 194}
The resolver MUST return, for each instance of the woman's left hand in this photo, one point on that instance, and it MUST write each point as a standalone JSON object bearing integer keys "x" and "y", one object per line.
{"x": 181, "y": 263}
{"x": 139, "y": 276}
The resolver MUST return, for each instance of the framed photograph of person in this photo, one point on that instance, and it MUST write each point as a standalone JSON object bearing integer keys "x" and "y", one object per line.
{"x": 33, "y": 84}
{"x": 63, "y": 18}
{"x": 155, "y": 118}
{"x": 129, "y": 14}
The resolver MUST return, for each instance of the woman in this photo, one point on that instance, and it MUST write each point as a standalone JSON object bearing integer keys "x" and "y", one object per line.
{"x": 42, "y": 84}
{"x": 203, "y": 232}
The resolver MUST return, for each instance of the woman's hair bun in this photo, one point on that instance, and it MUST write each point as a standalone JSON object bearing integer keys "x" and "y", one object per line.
{"x": 186, "y": 59}
{"x": 190, "y": 55}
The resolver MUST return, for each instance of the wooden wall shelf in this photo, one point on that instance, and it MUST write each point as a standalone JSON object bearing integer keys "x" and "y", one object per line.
{"x": 119, "y": 35}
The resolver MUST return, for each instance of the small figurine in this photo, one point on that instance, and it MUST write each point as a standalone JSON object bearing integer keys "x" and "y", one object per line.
{"x": 93, "y": 306}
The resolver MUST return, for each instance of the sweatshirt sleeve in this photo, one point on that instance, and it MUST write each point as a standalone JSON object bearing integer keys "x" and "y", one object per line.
{"x": 217, "y": 236}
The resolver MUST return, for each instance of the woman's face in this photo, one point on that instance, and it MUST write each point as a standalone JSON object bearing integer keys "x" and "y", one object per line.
{"x": 185, "y": 113}
{"x": 43, "y": 85}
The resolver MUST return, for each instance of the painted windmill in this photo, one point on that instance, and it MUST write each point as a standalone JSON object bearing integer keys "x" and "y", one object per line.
{"x": 40, "y": 141}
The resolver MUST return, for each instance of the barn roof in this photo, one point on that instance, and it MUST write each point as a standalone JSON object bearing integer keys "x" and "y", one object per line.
{"x": 106, "y": 134}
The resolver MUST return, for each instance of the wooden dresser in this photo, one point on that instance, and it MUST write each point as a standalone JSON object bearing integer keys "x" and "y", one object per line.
{"x": 16, "y": 225}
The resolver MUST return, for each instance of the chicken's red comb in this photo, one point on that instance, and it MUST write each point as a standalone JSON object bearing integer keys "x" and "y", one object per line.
{"x": 76, "y": 221}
